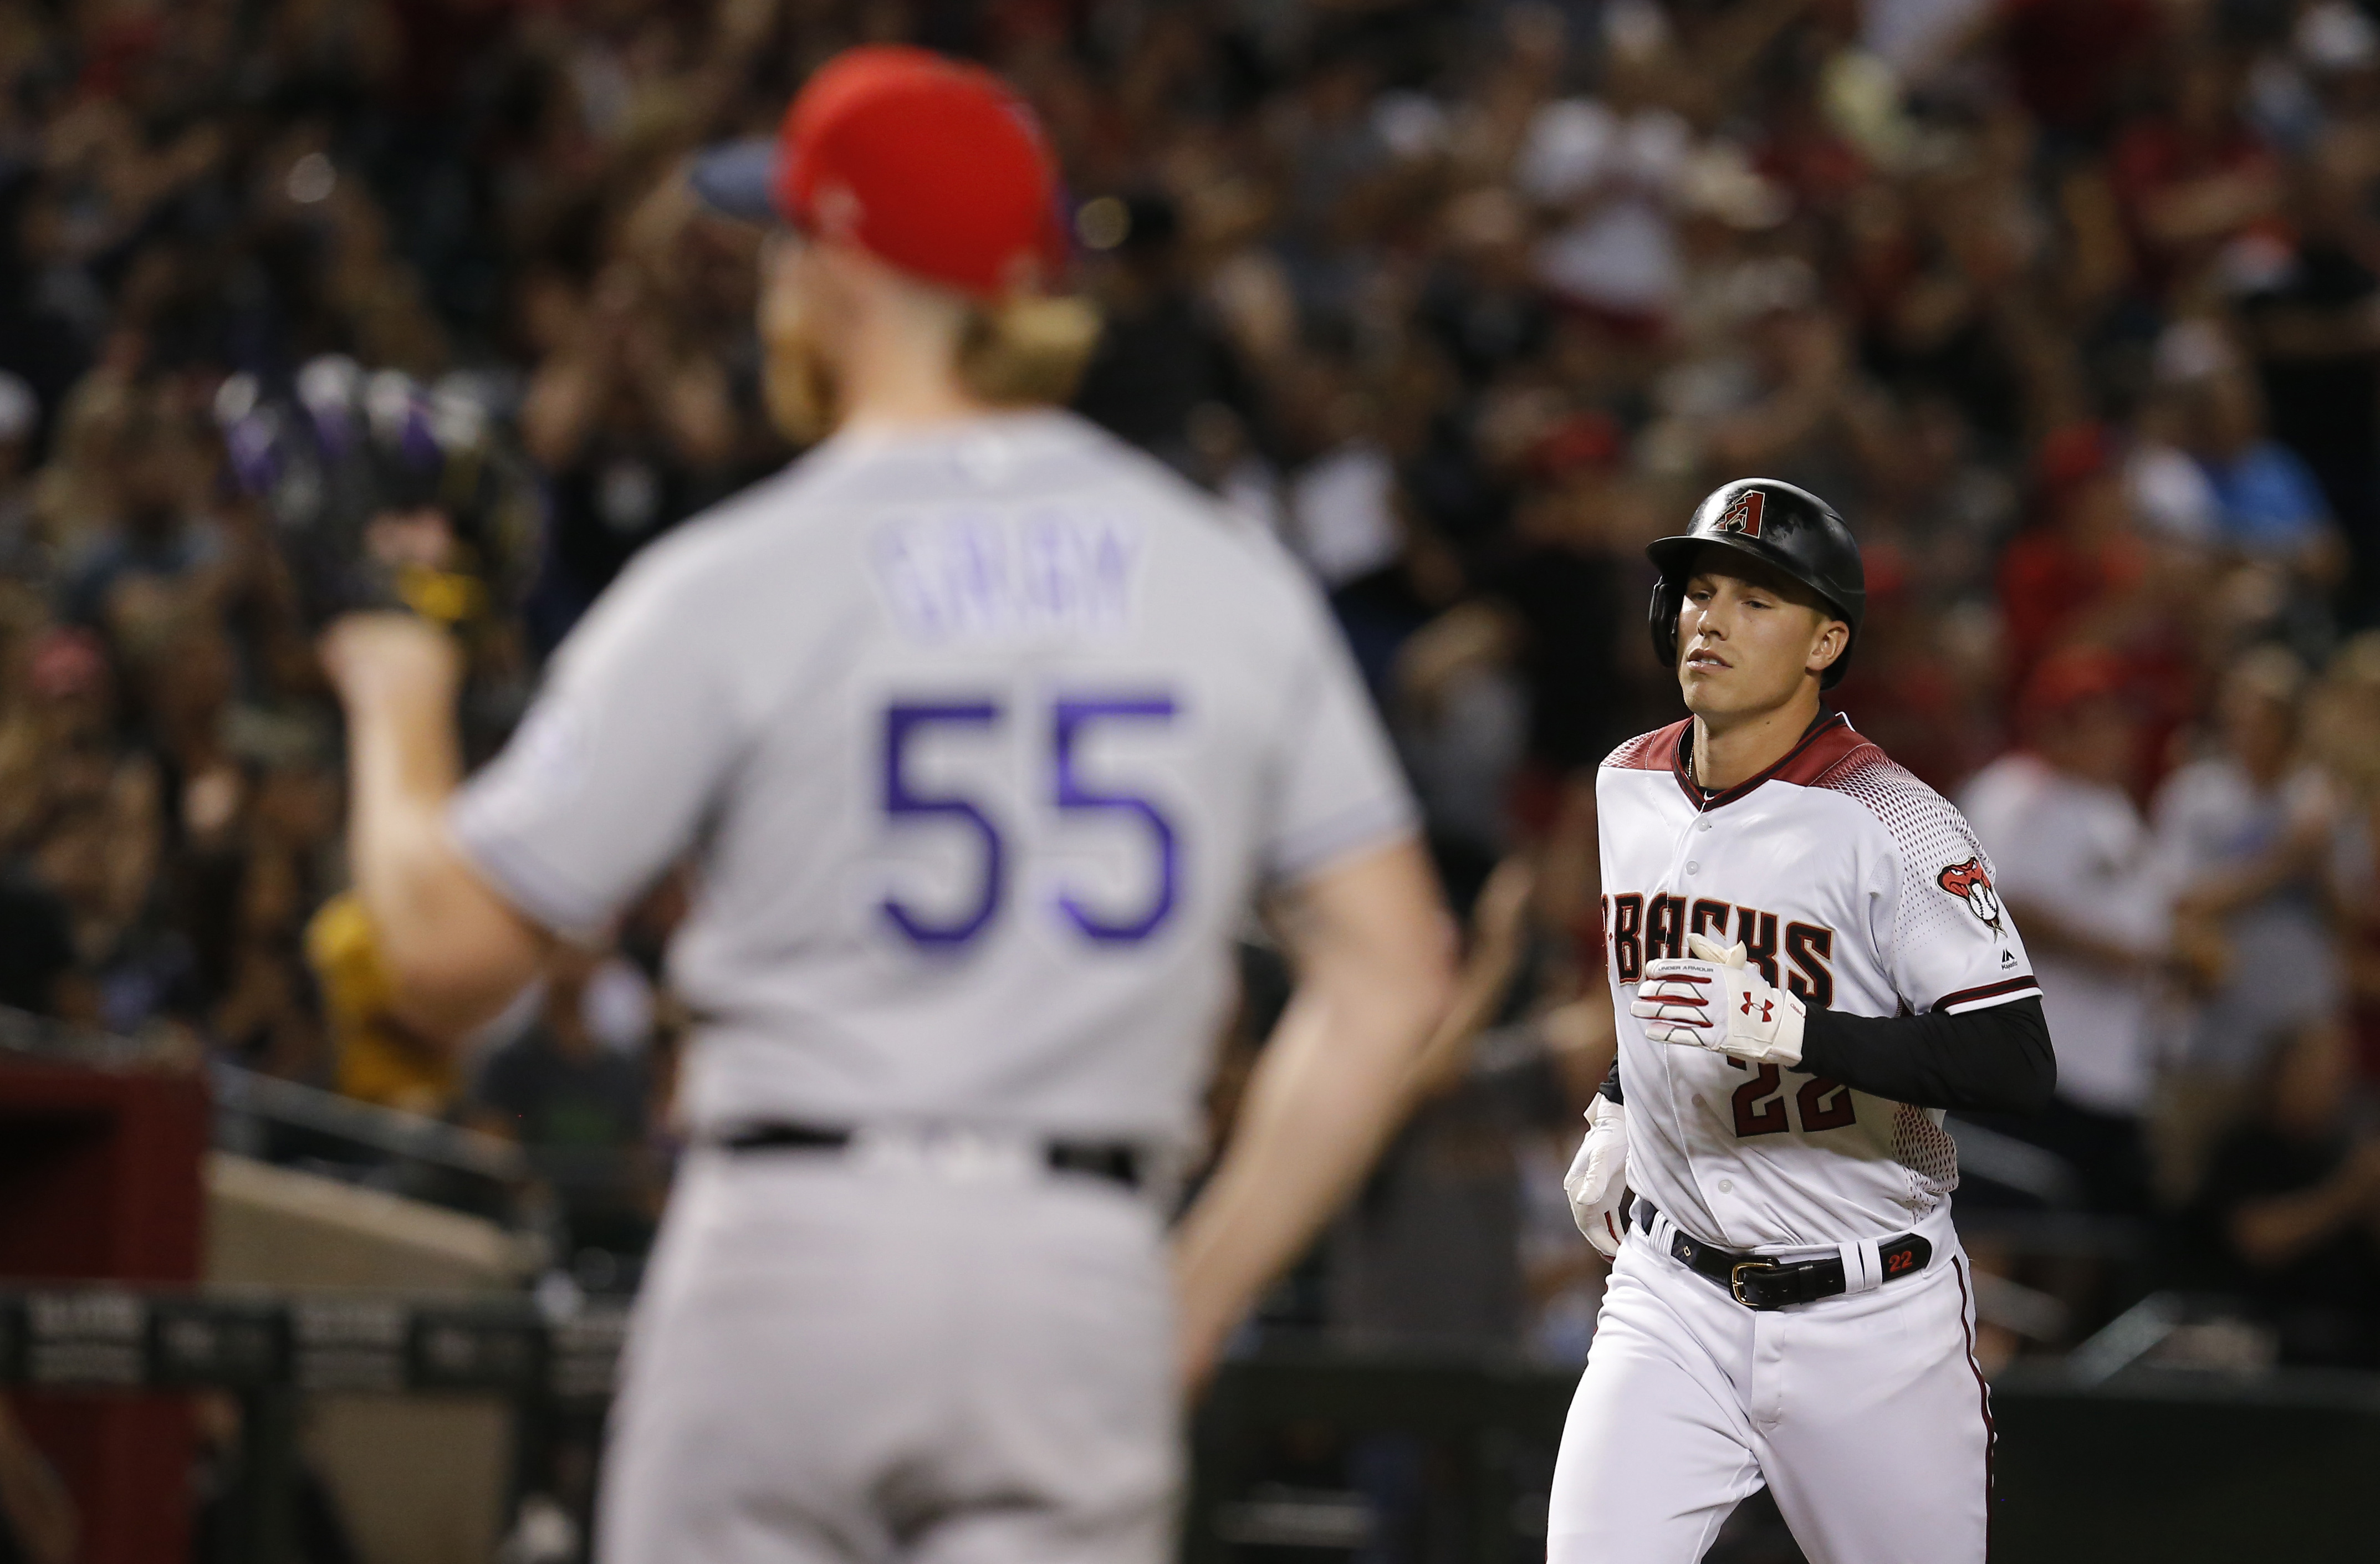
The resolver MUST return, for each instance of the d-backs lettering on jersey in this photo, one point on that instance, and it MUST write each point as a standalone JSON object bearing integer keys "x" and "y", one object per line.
{"x": 1856, "y": 887}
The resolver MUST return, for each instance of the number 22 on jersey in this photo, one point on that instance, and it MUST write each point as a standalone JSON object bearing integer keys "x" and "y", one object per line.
{"x": 1759, "y": 1104}
{"x": 1067, "y": 721}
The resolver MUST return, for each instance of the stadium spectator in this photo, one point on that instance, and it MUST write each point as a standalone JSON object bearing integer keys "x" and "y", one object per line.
{"x": 2343, "y": 730}
{"x": 2313, "y": 327}
{"x": 1430, "y": 1253}
{"x": 1164, "y": 373}
{"x": 248, "y": 901}
{"x": 2067, "y": 576}
{"x": 1563, "y": 586}
{"x": 1503, "y": 697}
{"x": 151, "y": 553}
{"x": 2194, "y": 174}
{"x": 579, "y": 1107}
{"x": 632, "y": 421}
{"x": 2292, "y": 1198}
{"x": 2249, "y": 831}
{"x": 2078, "y": 874}
{"x": 2267, "y": 505}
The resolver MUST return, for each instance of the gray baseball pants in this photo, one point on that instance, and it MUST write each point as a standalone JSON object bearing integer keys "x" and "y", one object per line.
{"x": 840, "y": 1358}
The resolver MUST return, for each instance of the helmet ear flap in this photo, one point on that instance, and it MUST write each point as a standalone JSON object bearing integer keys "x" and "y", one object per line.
{"x": 1661, "y": 619}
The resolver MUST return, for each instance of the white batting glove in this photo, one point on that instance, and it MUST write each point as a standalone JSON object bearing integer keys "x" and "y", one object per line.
{"x": 1598, "y": 1181}
{"x": 1714, "y": 1000}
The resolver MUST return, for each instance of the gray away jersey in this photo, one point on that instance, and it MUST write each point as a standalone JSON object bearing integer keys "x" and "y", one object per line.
{"x": 982, "y": 739}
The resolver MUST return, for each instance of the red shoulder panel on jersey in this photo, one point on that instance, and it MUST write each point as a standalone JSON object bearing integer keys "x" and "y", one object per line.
{"x": 1828, "y": 747}
{"x": 1655, "y": 751}
{"x": 1833, "y": 748}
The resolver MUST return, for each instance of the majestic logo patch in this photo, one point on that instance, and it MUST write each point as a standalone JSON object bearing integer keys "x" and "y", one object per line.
{"x": 1970, "y": 883}
{"x": 1744, "y": 514}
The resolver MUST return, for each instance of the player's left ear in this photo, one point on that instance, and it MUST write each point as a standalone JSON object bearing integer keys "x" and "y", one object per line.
{"x": 1827, "y": 645}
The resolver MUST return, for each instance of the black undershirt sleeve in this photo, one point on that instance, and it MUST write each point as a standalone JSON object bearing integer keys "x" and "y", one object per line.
{"x": 1610, "y": 1086}
{"x": 1994, "y": 1061}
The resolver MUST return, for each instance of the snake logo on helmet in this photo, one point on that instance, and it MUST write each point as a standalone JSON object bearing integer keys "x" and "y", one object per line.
{"x": 1743, "y": 513}
{"x": 1789, "y": 528}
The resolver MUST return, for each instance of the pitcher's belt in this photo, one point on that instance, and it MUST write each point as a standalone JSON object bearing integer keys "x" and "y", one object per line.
{"x": 1117, "y": 1161}
{"x": 1757, "y": 1282}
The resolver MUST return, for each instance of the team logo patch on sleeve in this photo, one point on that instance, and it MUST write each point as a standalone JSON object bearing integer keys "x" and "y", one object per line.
{"x": 1971, "y": 883}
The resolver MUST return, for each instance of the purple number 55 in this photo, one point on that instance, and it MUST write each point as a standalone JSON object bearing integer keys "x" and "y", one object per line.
{"x": 902, "y": 801}
{"x": 1071, "y": 718}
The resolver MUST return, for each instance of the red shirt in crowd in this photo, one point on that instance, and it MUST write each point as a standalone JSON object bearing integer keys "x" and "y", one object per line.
{"x": 2070, "y": 57}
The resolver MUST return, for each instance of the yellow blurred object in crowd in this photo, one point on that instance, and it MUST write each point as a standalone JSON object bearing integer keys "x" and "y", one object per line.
{"x": 379, "y": 1061}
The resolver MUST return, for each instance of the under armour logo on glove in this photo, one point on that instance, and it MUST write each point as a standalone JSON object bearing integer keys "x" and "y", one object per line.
{"x": 1714, "y": 998}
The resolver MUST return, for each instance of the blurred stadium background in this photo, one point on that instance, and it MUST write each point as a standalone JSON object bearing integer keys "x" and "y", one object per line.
{"x": 2072, "y": 306}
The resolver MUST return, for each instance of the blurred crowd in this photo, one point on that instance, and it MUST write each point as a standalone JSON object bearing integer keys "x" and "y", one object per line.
{"x": 2072, "y": 307}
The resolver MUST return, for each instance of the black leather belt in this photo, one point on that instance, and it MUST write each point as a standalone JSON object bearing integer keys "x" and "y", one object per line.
{"x": 1116, "y": 1161}
{"x": 1764, "y": 1284}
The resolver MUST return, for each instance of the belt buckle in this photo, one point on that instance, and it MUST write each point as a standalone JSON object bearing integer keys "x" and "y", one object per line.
{"x": 1735, "y": 1278}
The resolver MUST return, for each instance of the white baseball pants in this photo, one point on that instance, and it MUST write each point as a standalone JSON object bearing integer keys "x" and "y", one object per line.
{"x": 839, "y": 1362}
{"x": 1865, "y": 1415}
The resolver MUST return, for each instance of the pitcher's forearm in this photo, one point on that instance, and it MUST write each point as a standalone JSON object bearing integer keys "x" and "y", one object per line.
{"x": 455, "y": 950}
{"x": 403, "y": 761}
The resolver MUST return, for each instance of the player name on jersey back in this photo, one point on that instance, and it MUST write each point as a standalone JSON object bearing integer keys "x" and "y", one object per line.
{"x": 1854, "y": 886}
{"x": 988, "y": 573}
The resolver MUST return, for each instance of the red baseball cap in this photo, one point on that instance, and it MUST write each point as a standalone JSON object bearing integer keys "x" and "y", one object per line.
{"x": 928, "y": 163}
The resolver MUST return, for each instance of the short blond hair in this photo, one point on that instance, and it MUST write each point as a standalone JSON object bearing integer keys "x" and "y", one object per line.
{"x": 1028, "y": 350}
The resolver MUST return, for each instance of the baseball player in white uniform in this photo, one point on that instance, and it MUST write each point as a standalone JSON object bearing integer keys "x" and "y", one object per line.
{"x": 981, "y": 732}
{"x": 1808, "y": 965}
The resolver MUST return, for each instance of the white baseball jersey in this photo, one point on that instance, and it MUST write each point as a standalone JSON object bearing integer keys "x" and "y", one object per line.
{"x": 980, "y": 738}
{"x": 1853, "y": 885}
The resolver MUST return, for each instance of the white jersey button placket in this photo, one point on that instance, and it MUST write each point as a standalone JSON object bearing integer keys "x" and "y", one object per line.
{"x": 1714, "y": 1143}
{"x": 1687, "y": 844}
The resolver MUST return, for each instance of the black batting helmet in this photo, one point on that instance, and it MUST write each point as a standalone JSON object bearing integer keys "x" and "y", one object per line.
{"x": 1791, "y": 529}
